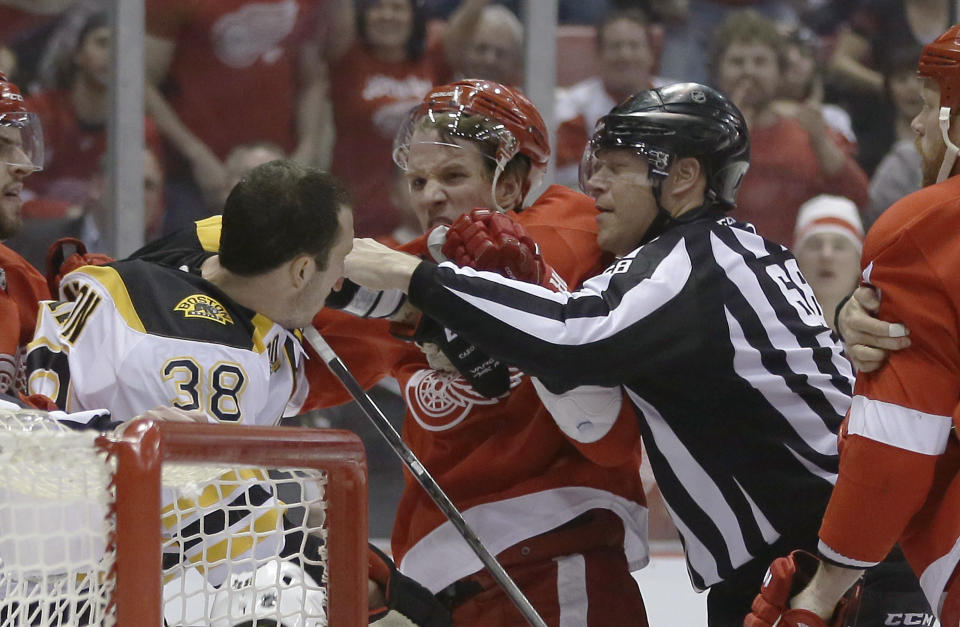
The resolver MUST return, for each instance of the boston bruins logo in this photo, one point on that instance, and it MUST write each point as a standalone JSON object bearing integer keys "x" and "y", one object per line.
{"x": 202, "y": 306}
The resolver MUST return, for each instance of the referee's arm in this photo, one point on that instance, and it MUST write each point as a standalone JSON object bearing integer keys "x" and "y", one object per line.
{"x": 593, "y": 336}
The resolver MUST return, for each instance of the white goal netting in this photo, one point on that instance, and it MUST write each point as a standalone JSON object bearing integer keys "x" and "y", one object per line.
{"x": 239, "y": 543}
{"x": 55, "y": 491}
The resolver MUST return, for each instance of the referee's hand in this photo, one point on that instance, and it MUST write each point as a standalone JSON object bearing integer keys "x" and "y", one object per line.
{"x": 378, "y": 267}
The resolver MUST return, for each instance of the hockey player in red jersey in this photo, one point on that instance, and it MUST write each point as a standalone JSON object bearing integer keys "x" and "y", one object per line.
{"x": 899, "y": 474}
{"x": 567, "y": 529}
{"x": 21, "y": 285}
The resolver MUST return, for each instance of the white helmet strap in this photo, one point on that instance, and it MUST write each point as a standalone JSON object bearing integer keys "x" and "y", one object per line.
{"x": 950, "y": 156}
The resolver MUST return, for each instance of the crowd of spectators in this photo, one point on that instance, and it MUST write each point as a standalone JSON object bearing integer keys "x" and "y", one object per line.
{"x": 326, "y": 82}
{"x": 828, "y": 89}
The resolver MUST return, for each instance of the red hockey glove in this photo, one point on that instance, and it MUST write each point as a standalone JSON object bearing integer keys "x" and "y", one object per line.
{"x": 489, "y": 240}
{"x": 786, "y": 577}
{"x": 59, "y": 264}
{"x": 407, "y": 602}
{"x": 38, "y": 401}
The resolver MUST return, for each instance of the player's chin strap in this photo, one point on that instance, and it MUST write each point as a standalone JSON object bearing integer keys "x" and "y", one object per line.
{"x": 950, "y": 156}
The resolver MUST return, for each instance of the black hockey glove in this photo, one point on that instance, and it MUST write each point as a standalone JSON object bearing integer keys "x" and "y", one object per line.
{"x": 407, "y": 602}
{"x": 488, "y": 376}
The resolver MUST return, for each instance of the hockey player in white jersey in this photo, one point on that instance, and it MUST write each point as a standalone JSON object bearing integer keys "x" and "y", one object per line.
{"x": 131, "y": 336}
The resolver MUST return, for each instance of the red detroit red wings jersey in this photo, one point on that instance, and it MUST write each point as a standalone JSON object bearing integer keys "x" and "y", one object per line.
{"x": 899, "y": 467}
{"x": 233, "y": 75}
{"x": 22, "y": 287}
{"x": 371, "y": 98}
{"x": 503, "y": 462}
{"x": 72, "y": 150}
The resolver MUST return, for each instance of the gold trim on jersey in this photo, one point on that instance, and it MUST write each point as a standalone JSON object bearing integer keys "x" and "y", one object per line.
{"x": 241, "y": 540}
{"x": 203, "y": 306}
{"x": 256, "y": 526}
{"x": 111, "y": 281}
{"x": 226, "y": 485}
{"x": 43, "y": 340}
{"x": 261, "y": 327}
{"x": 45, "y": 376}
{"x": 208, "y": 233}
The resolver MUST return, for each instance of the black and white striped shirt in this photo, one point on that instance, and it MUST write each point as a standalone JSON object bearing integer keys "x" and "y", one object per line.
{"x": 720, "y": 344}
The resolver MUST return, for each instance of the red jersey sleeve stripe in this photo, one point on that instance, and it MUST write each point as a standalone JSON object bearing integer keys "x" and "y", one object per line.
{"x": 899, "y": 426}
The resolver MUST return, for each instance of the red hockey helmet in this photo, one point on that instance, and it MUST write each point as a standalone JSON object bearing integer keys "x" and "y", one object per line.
{"x": 515, "y": 125}
{"x": 940, "y": 62}
{"x": 24, "y": 147}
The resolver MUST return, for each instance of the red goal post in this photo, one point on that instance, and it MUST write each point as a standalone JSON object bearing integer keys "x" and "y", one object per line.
{"x": 138, "y": 460}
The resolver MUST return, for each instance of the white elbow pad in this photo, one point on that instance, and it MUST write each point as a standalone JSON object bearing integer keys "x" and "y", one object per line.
{"x": 585, "y": 413}
{"x": 367, "y": 303}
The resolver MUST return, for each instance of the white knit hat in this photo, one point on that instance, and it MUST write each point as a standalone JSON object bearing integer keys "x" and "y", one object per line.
{"x": 832, "y": 214}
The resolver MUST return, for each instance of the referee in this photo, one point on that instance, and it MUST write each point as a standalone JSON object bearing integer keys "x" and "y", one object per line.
{"x": 710, "y": 329}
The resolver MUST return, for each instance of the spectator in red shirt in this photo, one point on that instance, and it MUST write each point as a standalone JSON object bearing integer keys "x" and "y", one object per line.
{"x": 794, "y": 154}
{"x": 225, "y": 72}
{"x": 74, "y": 118}
{"x": 383, "y": 73}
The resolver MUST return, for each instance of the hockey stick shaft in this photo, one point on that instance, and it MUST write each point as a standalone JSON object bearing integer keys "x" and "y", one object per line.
{"x": 423, "y": 477}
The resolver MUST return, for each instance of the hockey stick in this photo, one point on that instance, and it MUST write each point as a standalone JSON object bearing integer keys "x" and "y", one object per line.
{"x": 430, "y": 485}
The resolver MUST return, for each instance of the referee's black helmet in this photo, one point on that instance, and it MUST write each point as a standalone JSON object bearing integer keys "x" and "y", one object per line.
{"x": 677, "y": 121}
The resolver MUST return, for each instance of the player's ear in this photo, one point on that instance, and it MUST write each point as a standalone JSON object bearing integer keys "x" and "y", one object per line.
{"x": 509, "y": 191}
{"x": 685, "y": 171}
{"x": 685, "y": 177}
{"x": 301, "y": 269}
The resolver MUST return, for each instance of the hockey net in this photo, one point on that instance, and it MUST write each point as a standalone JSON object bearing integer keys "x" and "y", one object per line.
{"x": 180, "y": 524}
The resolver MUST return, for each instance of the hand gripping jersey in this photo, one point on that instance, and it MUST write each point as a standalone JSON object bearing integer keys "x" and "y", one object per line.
{"x": 503, "y": 461}
{"x": 136, "y": 335}
{"x": 900, "y": 468}
{"x": 21, "y": 290}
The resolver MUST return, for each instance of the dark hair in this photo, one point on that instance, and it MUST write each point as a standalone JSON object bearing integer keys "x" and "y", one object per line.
{"x": 66, "y": 70}
{"x": 745, "y": 27}
{"x": 281, "y": 209}
{"x": 93, "y": 22}
{"x": 418, "y": 33}
{"x": 638, "y": 16}
{"x": 897, "y": 59}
